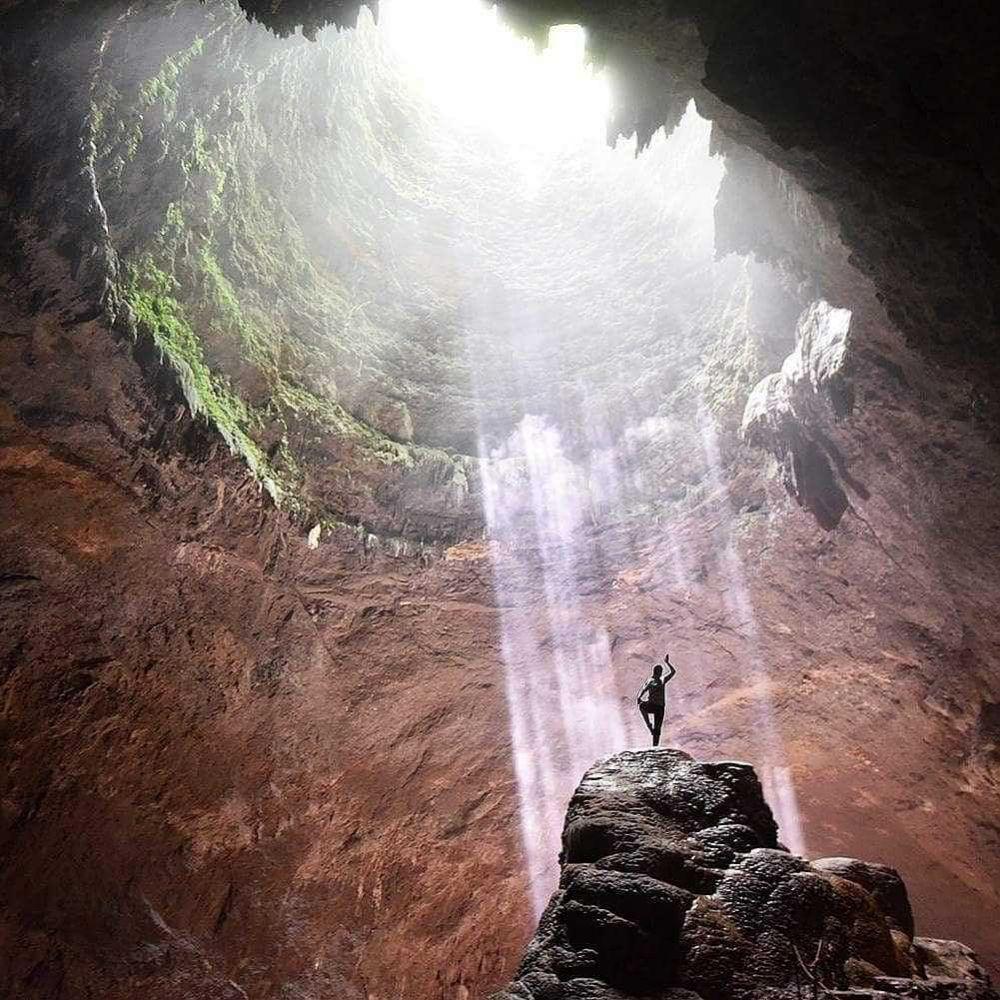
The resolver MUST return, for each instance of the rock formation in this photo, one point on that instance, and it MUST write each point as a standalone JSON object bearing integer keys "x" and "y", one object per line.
{"x": 674, "y": 885}
{"x": 785, "y": 411}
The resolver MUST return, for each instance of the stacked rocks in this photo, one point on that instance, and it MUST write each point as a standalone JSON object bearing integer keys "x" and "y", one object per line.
{"x": 674, "y": 886}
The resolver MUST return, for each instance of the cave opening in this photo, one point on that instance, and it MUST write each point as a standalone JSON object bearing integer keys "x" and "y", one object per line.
{"x": 377, "y": 406}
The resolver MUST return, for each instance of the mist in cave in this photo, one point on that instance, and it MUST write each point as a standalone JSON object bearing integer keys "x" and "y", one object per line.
{"x": 570, "y": 260}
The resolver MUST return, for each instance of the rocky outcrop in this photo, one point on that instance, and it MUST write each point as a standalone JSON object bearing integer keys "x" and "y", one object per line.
{"x": 787, "y": 411}
{"x": 310, "y": 16}
{"x": 674, "y": 885}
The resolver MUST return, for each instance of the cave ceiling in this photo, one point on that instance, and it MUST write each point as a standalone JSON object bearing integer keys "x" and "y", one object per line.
{"x": 902, "y": 138}
{"x": 366, "y": 291}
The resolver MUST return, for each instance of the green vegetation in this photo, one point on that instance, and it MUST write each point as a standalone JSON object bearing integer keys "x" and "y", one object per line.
{"x": 150, "y": 293}
{"x": 116, "y": 137}
{"x": 171, "y": 311}
{"x": 257, "y": 312}
{"x": 290, "y": 401}
{"x": 162, "y": 87}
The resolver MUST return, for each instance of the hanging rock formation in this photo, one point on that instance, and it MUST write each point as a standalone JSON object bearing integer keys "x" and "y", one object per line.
{"x": 786, "y": 410}
{"x": 674, "y": 885}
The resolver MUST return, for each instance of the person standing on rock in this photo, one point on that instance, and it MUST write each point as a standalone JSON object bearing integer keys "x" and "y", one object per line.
{"x": 652, "y": 698}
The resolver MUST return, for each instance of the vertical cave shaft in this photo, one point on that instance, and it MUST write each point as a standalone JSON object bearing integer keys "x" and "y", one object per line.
{"x": 369, "y": 426}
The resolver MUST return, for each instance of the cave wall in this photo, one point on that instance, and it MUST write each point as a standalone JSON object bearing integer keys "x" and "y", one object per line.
{"x": 232, "y": 764}
{"x": 281, "y": 767}
{"x": 251, "y": 202}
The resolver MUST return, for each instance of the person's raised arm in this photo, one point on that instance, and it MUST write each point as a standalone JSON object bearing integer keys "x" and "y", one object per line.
{"x": 669, "y": 676}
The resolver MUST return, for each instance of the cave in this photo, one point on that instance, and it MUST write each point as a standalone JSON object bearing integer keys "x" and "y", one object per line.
{"x": 383, "y": 390}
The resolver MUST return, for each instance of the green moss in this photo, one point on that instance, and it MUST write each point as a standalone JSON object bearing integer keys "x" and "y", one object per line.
{"x": 198, "y": 156}
{"x": 174, "y": 230}
{"x": 170, "y": 315}
{"x": 115, "y": 134}
{"x": 329, "y": 417}
{"x": 131, "y": 140}
{"x": 204, "y": 286}
{"x": 104, "y": 100}
{"x": 151, "y": 294}
{"x": 162, "y": 87}
{"x": 219, "y": 295}
{"x": 260, "y": 344}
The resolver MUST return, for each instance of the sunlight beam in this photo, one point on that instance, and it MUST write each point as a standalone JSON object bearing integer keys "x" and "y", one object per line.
{"x": 477, "y": 70}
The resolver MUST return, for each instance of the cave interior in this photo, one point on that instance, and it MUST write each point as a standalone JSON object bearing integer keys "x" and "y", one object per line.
{"x": 383, "y": 390}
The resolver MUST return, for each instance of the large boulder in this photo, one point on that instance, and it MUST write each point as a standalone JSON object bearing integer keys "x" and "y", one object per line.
{"x": 674, "y": 886}
{"x": 948, "y": 960}
{"x": 881, "y": 881}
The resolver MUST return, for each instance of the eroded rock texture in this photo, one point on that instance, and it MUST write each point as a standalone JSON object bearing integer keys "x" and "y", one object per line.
{"x": 355, "y": 290}
{"x": 674, "y": 885}
{"x": 218, "y": 781}
{"x": 876, "y": 112}
{"x": 786, "y": 411}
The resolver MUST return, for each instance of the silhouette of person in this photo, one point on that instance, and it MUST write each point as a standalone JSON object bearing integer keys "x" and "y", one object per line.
{"x": 652, "y": 698}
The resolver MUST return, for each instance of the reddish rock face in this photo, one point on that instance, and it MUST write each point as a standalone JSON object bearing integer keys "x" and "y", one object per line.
{"x": 245, "y": 758}
{"x": 230, "y": 757}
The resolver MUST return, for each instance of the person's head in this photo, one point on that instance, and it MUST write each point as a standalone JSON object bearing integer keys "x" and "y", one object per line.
{"x": 657, "y": 671}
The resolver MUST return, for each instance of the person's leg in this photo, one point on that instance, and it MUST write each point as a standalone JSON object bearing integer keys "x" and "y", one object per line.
{"x": 657, "y": 724}
{"x": 645, "y": 712}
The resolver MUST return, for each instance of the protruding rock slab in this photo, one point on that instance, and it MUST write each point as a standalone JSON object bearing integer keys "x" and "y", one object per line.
{"x": 673, "y": 886}
{"x": 786, "y": 412}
